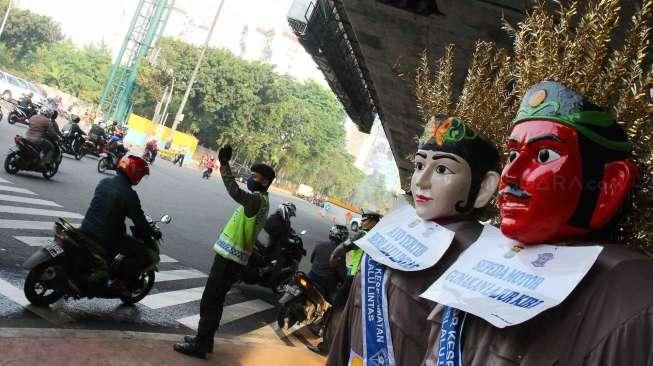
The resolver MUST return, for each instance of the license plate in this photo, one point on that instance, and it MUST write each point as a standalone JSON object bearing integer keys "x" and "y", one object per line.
{"x": 54, "y": 249}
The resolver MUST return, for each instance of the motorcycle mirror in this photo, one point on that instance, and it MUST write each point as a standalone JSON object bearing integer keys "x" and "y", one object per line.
{"x": 166, "y": 219}
{"x": 303, "y": 232}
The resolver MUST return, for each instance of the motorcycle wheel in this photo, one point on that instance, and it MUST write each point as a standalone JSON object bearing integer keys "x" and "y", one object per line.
{"x": 103, "y": 164}
{"x": 79, "y": 153}
{"x": 12, "y": 118}
{"x": 51, "y": 170}
{"x": 11, "y": 165}
{"x": 38, "y": 285}
{"x": 146, "y": 281}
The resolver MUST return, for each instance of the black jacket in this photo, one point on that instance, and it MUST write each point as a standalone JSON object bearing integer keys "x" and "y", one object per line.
{"x": 113, "y": 201}
{"x": 321, "y": 272}
{"x": 277, "y": 227}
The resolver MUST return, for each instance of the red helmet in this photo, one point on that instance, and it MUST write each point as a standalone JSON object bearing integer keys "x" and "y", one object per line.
{"x": 134, "y": 167}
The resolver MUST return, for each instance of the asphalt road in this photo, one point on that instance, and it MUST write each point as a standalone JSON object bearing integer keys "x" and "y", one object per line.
{"x": 199, "y": 209}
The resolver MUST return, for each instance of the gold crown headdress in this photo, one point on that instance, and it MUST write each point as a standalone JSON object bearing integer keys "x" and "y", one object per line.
{"x": 572, "y": 48}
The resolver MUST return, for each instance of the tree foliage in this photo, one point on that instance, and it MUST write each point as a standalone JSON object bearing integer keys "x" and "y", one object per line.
{"x": 25, "y": 31}
{"x": 296, "y": 127}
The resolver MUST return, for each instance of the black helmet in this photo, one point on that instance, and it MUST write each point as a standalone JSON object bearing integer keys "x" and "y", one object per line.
{"x": 338, "y": 233}
{"x": 74, "y": 118}
{"x": 287, "y": 210}
{"x": 371, "y": 215}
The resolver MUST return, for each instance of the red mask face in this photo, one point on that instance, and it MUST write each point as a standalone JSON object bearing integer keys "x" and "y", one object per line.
{"x": 541, "y": 183}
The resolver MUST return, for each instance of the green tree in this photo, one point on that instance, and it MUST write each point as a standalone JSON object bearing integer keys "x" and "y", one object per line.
{"x": 25, "y": 31}
{"x": 78, "y": 71}
{"x": 296, "y": 127}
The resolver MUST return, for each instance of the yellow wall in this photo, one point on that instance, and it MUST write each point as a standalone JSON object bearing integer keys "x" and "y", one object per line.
{"x": 141, "y": 130}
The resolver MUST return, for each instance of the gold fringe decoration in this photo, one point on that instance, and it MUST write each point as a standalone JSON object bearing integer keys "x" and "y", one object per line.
{"x": 568, "y": 43}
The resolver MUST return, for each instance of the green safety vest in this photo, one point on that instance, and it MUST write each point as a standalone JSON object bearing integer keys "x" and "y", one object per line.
{"x": 237, "y": 239}
{"x": 356, "y": 256}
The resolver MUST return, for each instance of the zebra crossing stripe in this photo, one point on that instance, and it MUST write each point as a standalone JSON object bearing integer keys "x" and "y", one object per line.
{"x": 39, "y": 212}
{"x": 26, "y": 224}
{"x": 18, "y": 296}
{"x": 165, "y": 259}
{"x": 178, "y": 274}
{"x": 178, "y": 297}
{"x": 34, "y": 201}
{"x": 4, "y": 181}
{"x": 231, "y": 313}
{"x": 34, "y": 241}
{"x": 16, "y": 190}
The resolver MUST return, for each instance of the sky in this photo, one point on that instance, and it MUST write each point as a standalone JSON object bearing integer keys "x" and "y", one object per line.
{"x": 95, "y": 21}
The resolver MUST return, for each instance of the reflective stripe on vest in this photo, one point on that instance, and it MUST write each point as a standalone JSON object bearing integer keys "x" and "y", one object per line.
{"x": 237, "y": 239}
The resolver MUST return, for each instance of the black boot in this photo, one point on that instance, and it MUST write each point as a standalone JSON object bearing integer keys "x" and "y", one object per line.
{"x": 199, "y": 347}
{"x": 190, "y": 339}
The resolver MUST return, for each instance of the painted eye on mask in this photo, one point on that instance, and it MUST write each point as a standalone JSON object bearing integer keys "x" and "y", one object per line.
{"x": 441, "y": 169}
{"x": 512, "y": 155}
{"x": 419, "y": 165}
{"x": 547, "y": 155}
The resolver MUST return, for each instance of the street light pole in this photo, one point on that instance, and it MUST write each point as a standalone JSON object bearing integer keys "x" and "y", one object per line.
{"x": 4, "y": 20}
{"x": 180, "y": 111}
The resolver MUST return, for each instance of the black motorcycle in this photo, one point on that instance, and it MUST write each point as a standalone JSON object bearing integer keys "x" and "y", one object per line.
{"x": 304, "y": 302}
{"x": 26, "y": 155}
{"x": 21, "y": 114}
{"x": 149, "y": 155}
{"x": 260, "y": 266}
{"x": 74, "y": 144}
{"x": 115, "y": 150}
{"x": 64, "y": 267}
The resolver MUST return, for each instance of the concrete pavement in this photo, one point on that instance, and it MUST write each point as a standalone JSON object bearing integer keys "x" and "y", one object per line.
{"x": 53, "y": 347}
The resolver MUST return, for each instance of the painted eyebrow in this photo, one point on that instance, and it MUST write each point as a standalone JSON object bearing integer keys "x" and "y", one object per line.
{"x": 436, "y": 157}
{"x": 421, "y": 155}
{"x": 547, "y": 136}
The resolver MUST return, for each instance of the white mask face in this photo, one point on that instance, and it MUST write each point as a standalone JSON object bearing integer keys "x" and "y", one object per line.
{"x": 440, "y": 181}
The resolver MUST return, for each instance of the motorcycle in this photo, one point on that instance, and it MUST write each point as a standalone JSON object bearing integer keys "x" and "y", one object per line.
{"x": 149, "y": 155}
{"x": 114, "y": 151}
{"x": 260, "y": 266}
{"x": 21, "y": 114}
{"x": 303, "y": 302}
{"x": 74, "y": 144}
{"x": 26, "y": 155}
{"x": 206, "y": 174}
{"x": 62, "y": 267}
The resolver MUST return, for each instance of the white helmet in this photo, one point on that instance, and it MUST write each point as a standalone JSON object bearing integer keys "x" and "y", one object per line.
{"x": 287, "y": 210}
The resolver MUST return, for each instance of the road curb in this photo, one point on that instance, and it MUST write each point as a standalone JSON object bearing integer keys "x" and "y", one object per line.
{"x": 56, "y": 333}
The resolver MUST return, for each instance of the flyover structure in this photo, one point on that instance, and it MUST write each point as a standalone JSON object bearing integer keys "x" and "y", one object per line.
{"x": 361, "y": 46}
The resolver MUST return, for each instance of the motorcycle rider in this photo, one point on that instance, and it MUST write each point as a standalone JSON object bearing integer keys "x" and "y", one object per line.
{"x": 209, "y": 168}
{"x": 43, "y": 131}
{"x": 153, "y": 148}
{"x": 278, "y": 227}
{"x": 368, "y": 221}
{"x": 113, "y": 201}
{"x": 326, "y": 276}
{"x": 26, "y": 103}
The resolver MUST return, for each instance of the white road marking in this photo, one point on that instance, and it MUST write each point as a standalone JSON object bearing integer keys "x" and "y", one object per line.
{"x": 172, "y": 298}
{"x": 178, "y": 274}
{"x": 165, "y": 259}
{"x": 28, "y": 225}
{"x": 39, "y": 212}
{"x": 231, "y": 313}
{"x": 34, "y": 201}
{"x": 4, "y": 181}
{"x": 18, "y": 296}
{"x": 34, "y": 241}
{"x": 16, "y": 189}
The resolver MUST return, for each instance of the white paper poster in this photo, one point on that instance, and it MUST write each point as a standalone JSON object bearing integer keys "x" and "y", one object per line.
{"x": 506, "y": 283}
{"x": 403, "y": 241}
